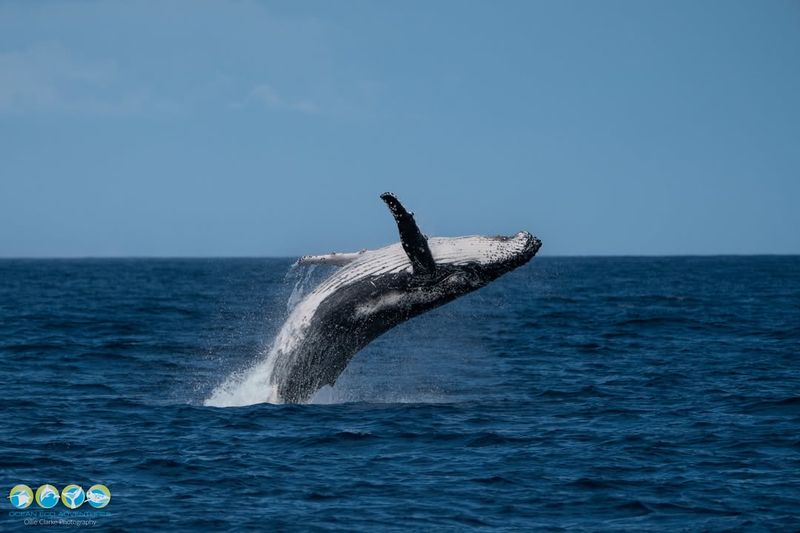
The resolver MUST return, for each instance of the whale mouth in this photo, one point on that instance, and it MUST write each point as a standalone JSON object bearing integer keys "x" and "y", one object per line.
{"x": 511, "y": 252}
{"x": 520, "y": 248}
{"x": 531, "y": 243}
{"x": 499, "y": 252}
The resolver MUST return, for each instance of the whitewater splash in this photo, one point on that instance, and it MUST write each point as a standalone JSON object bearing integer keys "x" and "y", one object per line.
{"x": 253, "y": 385}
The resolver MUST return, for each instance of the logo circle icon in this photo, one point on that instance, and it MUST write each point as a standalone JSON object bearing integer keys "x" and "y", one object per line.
{"x": 72, "y": 496}
{"x": 98, "y": 496}
{"x": 21, "y": 496}
{"x": 47, "y": 496}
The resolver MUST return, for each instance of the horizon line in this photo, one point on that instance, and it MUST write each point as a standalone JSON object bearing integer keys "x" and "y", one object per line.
{"x": 287, "y": 257}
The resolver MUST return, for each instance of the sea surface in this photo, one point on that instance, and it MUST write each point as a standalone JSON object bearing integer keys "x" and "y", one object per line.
{"x": 572, "y": 394}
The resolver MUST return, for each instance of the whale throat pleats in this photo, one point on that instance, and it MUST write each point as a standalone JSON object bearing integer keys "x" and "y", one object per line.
{"x": 414, "y": 242}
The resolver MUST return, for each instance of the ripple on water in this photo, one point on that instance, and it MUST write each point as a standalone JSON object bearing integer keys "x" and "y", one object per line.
{"x": 575, "y": 393}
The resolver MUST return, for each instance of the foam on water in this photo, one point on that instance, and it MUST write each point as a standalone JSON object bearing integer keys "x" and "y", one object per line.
{"x": 254, "y": 384}
{"x": 246, "y": 387}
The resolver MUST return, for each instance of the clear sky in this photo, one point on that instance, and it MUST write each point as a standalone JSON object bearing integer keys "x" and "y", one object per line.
{"x": 258, "y": 128}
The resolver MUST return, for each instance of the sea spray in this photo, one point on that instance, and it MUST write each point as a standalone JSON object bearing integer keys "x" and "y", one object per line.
{"x": 253, "y": 384}
{"x": 304, "y": 276}
{"x": 246, "y": 387}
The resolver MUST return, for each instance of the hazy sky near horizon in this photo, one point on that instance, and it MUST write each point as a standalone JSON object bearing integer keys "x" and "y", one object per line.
{"x": 217, "y": 128}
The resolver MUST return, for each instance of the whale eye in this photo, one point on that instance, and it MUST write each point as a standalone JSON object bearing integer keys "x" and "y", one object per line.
{"x": 455, "y": 278}
{"x": 461, "y": 278}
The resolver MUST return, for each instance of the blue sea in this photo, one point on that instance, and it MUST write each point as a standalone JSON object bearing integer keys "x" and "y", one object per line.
{"x": 597, "y": 394}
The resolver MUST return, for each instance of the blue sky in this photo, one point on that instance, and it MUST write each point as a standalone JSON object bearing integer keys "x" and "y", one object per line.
{"x": 257, "y": 128}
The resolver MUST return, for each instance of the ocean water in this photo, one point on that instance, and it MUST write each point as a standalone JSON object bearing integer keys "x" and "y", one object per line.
{"x": 574, "y": 393}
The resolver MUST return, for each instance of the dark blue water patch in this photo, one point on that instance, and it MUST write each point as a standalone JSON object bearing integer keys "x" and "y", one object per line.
{"x": 595, "y": 393}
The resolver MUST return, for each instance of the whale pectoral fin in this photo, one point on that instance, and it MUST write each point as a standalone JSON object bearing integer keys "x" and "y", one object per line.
{"x": 335, "y": 259}
{"x": 414, "y": 242}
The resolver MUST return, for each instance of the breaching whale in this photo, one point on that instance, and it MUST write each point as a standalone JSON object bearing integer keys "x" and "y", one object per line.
{"x": 375, "y": 290}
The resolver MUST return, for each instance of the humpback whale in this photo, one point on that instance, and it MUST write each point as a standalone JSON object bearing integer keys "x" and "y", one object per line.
{"x": 375, "y": 290}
